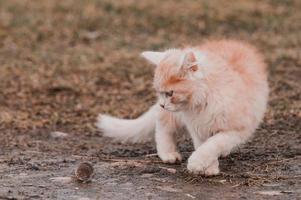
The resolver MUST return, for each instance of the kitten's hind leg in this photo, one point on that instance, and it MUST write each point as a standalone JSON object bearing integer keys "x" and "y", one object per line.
{"x": 166, "y": 127}
{"x": 204, "y": 160}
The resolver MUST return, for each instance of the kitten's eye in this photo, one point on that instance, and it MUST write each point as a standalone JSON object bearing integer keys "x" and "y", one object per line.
{"x": 169, "y": 94}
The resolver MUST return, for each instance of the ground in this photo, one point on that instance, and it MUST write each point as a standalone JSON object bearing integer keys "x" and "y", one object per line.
{"x": 64, "y": 62}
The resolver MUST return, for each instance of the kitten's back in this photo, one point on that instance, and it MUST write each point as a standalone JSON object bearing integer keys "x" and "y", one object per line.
{"x": 241, "y": 57}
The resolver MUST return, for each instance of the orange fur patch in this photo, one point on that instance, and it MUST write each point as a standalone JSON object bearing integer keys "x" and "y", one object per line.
{"x": 173, "y": 80}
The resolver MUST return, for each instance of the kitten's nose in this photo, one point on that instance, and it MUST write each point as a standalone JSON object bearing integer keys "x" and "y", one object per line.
{"x": 162, "y": 105}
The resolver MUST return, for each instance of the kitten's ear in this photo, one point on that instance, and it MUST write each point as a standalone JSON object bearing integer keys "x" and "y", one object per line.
{"x": 153, "y": 56}
{"x": 189, "y": 62}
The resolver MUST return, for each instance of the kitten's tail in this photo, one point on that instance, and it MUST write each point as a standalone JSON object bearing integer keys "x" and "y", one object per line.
{"x": 129, "y": 130}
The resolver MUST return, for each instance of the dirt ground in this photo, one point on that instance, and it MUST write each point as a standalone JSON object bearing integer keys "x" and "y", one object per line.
{"x": 64, "y": 62}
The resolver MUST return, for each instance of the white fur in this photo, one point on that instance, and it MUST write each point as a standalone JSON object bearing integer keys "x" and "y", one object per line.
{"x": 125, "y": 130}
{"x": 221, "y": 116}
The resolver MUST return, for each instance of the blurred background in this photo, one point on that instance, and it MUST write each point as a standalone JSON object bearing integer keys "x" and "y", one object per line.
{"x": 64, "y": 62}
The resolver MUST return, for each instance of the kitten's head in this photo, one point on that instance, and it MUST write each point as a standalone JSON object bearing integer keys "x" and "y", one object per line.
{"x": 176, "y": 77}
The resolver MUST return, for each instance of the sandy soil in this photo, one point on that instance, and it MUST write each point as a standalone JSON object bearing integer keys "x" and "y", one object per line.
{"x": 63, "y": 62}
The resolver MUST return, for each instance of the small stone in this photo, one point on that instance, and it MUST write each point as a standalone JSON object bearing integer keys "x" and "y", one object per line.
{"x": 168, "y": 189}
{"x": 146, "y": 175}
{"x": 61, "y": 179}
{"x": 270, "y": 193}
{"x": 84, "y": 172}
{"x": 170, "y": 170}
{"x": 191, "y": 196}
{"x": 58, "y": 134}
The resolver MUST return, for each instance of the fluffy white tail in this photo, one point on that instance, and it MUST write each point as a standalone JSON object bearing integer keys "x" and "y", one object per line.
{"x": 129, "y": 130}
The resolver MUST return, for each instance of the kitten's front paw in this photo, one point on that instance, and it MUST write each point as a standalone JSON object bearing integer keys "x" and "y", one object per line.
{"x": 171, "y": 157}
{"x": 204, "y": 165}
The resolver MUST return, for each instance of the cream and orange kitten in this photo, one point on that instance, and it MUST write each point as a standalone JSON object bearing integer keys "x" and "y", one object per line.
{"x": 218, "y": 91}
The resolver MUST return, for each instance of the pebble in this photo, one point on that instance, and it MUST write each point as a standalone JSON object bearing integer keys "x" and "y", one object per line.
{"x": 58, "y": 134}
{"x": 61, "y": 179}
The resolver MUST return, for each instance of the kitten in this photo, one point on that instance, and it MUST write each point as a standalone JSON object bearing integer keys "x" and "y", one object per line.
{"x": 217, "y": 91}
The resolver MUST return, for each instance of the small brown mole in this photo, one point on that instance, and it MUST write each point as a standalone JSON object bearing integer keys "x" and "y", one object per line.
{"x": 84, "y": 172}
